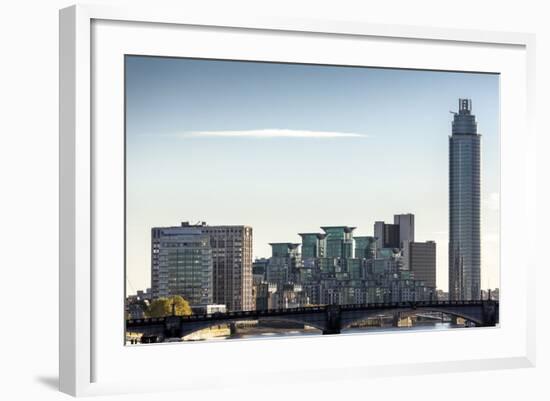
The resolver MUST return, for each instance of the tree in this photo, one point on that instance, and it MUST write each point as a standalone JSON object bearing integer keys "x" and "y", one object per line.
{"x": 161, "y": 307}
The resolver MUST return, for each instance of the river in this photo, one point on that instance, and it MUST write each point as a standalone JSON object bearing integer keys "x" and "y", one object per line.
{"x": 268, "y": 332}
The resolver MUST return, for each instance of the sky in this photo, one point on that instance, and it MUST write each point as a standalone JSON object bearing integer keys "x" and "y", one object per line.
{"x": 287, "y": 148}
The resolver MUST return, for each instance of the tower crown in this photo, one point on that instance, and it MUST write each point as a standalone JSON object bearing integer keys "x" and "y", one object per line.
{"x": 464, "y": 106}
{"x": 464, "y": 121}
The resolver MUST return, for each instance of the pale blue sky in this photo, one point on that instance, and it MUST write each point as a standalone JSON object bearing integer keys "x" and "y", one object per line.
{"x": 287, "y": 148}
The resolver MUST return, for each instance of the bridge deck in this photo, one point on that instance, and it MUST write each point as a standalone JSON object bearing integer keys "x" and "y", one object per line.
{"x": 321, "y": 309}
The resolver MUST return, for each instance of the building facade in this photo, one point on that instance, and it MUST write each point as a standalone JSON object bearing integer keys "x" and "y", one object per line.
{"x": 387, "y": 235}
{"x": 365, "y": 247}
{"x": 266, "y": 295}
{"x": 313, "y": 245}
{"x": 283, "y": 264}
{"x": 405, "y": 223}
{"x": 204, "y": 264}
{"x": 422, "y": 262}
{"x": 406, "y": 227}
{"x": 232, "y": 265}
{"x": 464, "y": 205}
{"x": 181, "y": 264}
{"x": 338, "y": 268}
{"x": 339, "y": 241}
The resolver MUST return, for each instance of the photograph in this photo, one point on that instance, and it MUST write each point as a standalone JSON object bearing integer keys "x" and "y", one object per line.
{"x": 275, "y": 199}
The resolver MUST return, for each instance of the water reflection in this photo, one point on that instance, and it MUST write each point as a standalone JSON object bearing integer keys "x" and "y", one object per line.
{"x": 263, "y": 332}
{"x": 223, "y": 332}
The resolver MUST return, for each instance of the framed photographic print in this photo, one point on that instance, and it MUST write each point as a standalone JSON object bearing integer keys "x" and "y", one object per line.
{"x": 250, "y": 190}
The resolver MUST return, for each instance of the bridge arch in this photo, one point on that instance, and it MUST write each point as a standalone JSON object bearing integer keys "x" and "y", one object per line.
{"x": 351, "y": 317}
{"x": 315, "y": 325}
{"x": 193, "y": 327}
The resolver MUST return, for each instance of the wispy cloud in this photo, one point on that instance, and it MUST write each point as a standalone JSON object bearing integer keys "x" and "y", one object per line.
{"x": 273, "y": 133}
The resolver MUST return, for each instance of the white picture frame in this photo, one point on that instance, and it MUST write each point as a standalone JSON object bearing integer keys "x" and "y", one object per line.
{"x": 82, "y": 159}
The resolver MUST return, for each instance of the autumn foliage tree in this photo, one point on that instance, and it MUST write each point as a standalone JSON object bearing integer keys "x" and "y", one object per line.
{"x": 161, "y": 307}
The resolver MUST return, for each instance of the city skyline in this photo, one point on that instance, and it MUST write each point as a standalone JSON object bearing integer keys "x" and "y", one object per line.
{"x": 332, "y": 267}
{"x": 362, "y": 146}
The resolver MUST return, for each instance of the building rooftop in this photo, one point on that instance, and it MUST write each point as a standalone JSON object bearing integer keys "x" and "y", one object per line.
{"x": 204, "y": 224}
{"x": 319, "y": 235}
{"x": 288, "y": 244}
{"x": 464, "y": 122}
{"x": 347, "y": 229}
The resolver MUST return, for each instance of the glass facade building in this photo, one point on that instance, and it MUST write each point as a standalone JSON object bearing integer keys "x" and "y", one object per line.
{"x": 283, "y": 264}
{"x": 335, "y": 267}
{"x": 464, "y": 205}
{"x": 313, "y": 245}
{"x": 181, "y": 264}
{"x": 365, "y": 247}
{"x": 339, "y": 241}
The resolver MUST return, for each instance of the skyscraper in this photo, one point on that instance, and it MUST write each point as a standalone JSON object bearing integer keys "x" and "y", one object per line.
{"x": 464, "y": 205}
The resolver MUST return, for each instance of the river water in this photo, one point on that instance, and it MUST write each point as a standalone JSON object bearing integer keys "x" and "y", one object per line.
{"x": 259, "y": 332}
{"x": 266, "y": 332}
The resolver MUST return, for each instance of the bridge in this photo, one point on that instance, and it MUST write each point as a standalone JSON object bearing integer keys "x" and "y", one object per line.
{"x": 330, "y": 319}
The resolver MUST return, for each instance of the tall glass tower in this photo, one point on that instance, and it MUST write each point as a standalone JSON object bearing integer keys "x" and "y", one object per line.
{"x": 464, "y": 205}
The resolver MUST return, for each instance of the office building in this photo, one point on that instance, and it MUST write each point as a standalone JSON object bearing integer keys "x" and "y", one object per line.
{"x": 259, "y": 268}
{"x": 365, "y": 247}
{"x": 387, "y": 235}
{"x": 266, "y": 296}
{"x": 339, "y": 241}
{"x": 352, "y": 271}
{"x": 422, "y": 259}
{"x": 232, "y": 265}
{"x": 406, "y": 227}
{"x": 283, "y": 264}
{"x": 464, "y": 205}
{"x": 313, "y": 245}
{"x": 181, "y": 263}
